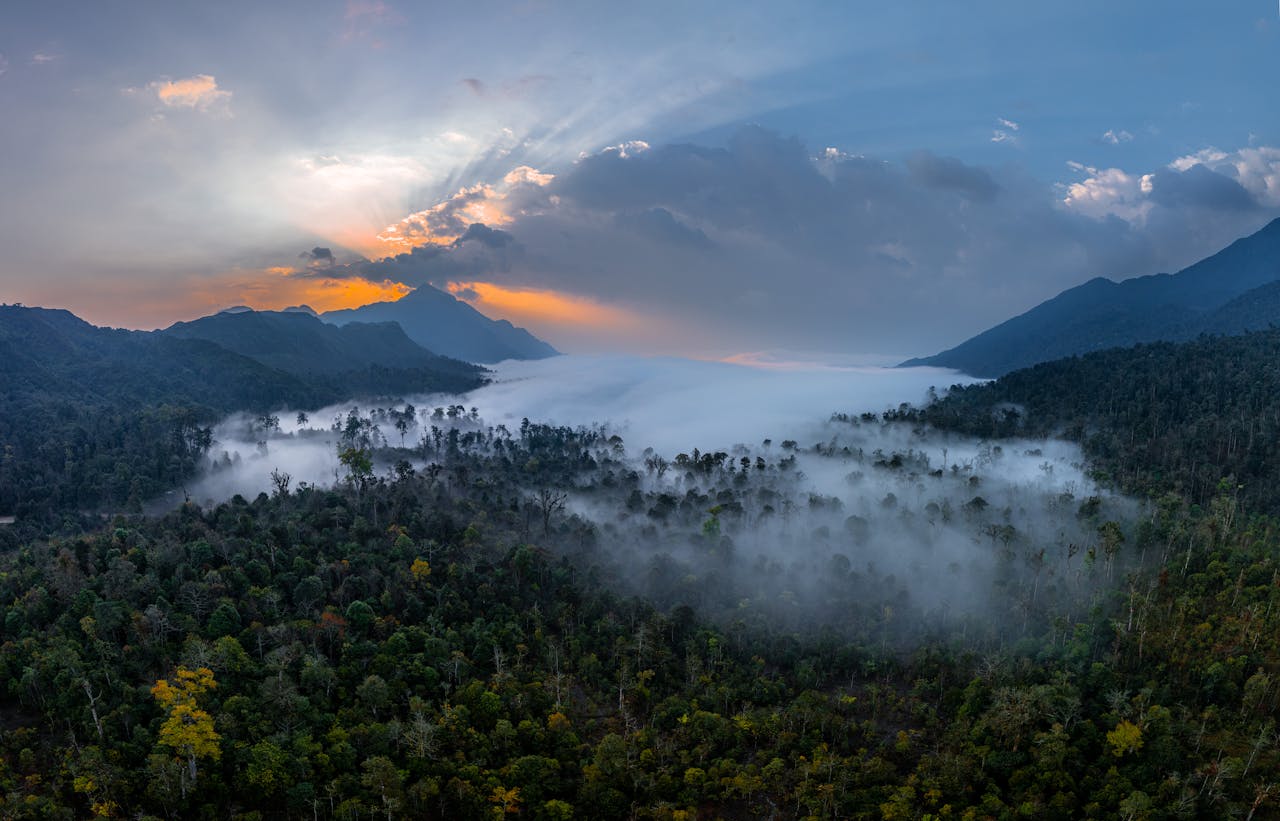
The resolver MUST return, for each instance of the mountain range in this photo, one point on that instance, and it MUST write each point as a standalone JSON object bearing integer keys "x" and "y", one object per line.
{"x": 450, "y": 327}
{"x": 1231, "y": 292}
{"x": 251, "y": 360}
{"x": 298, "y": 343}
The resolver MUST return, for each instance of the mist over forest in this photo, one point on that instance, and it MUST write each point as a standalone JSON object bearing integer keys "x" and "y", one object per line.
{"x": 716, "y": 486}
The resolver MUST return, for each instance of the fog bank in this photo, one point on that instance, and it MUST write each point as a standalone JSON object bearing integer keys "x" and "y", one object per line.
{"x": 667, "y": 404}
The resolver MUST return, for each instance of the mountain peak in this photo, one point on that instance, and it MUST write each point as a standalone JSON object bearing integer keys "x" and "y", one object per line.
{"x": 445, "y": 324}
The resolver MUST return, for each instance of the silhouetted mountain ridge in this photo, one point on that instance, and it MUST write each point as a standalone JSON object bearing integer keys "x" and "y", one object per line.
{"x": 450, "y": 327}
{"x": 1211, "y": 296}
{"x": 298, "y": 343}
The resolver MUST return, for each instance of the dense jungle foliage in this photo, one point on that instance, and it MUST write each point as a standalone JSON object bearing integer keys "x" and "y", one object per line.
{"x": 1156, "y": 418}
{"x": 533, "y": 623}
{"x": 98, "y": 419}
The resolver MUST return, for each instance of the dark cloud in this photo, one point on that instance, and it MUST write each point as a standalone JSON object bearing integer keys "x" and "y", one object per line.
{"x": 659, "y": 225}
{"x": 757, "y": 244}
{"x": 318, "y": 255}
{"x": 760, "y": 244}
{"x": 476, "y": 86}
{"x": 480, "y": 252}
{"x": 951, "y": 174}
{"x": 1199, "y": 187}
{"x": 483, "y": 234}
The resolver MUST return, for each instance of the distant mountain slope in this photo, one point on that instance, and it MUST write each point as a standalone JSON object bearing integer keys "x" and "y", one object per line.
{"x": 53, "y": 354}
{"x": 300, "y": 344}
{"x": 1156, "y": 417}
{"x": 1104, "y": 314}
{"x": 97, "y": 418}
{"x": 450, "y": 327}
{"x": 1255, "y": 310}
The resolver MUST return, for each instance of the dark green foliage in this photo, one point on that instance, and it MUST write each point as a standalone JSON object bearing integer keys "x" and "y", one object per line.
{"x": 95, "y": 419}
{"x": 1156, "y": 418}
{"x": 300, "y": 344}
{"x": 352, "y": 680}
{"x": 451, "y": 642}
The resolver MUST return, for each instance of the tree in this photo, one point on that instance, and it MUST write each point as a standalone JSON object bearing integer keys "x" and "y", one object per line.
{"x": 359, "y": 466}
{"x": 280, "y": 481}
{"x": 188, "y": 730}
{"x": 549, "y": 501}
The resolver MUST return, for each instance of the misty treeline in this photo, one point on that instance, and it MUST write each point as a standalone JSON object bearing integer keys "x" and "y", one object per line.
{"x": 477, "y": 621}
{"x": 858, "y": 534}
{"x": 1156, "y": 418}
{"x": 100, "y": 420}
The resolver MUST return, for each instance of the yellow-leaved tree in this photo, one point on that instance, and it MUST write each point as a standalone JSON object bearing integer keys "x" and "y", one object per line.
{"x": 188, "y": 730}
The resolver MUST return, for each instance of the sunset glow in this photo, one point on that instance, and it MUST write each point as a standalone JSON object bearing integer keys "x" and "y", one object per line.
{"x": 534, "y": 306}
{"x": 284, "y": 289}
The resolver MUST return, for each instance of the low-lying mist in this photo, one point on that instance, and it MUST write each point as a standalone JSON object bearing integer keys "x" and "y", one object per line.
{"x": 661, "y": 403}
{"x": 781, "y": 495}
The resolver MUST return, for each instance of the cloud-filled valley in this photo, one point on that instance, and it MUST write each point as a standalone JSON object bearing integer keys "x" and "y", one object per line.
{"x": 733, "y": 489}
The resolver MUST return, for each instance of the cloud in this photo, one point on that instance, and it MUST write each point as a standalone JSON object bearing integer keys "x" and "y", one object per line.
{"x": 319, "y": 254}
{"x": 276, "y": 288}
{"x": 758, "y": 244}
{"x": 951, "y": 174}
{"x": 1007, "y": 131}
{"x": 318, "y": 258}
{"x": 1204, "y": 183}
{"x": 483, "y": 234}
{"x": 41, "y": 58}
{"x": 1112, "y": 137}
{"x": 1109, "y": 192}
{"x": 1199, "y": 187}
{"x": 4, "y": 65}
{"x": 660, "y": 225}
{"x": 476, "y": 86}
{"x": 446, "y": 222}
{"x": 542, "y": 307}
{"x": 200, "y": 93}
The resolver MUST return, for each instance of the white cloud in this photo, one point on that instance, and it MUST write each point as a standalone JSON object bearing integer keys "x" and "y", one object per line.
{"x": 41, "y": 58}
{"x": 526, "y": 174}
{"x": 444, "y": 222}
{"x": 1255, "y": 168}
{"x": 1112, "y": 137}
{"x": 622, "y": 151}
{"x": 1007, "y": 132}
{"x": 1109, "y": 192}
{"x": 1205, "y": 156}
{"x": 200, "y": 93}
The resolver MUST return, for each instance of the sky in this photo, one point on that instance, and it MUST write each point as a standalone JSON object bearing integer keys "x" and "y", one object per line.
{"x": 749, "y": 180}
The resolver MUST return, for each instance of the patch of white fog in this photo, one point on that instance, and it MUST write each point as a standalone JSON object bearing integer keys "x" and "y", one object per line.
{"x": 667, "y": 404}
{"x": 813, "y": 507}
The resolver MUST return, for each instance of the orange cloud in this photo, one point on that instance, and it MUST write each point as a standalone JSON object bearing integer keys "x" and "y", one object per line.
{"x": 198, "y": 92}
{"x": 281, "y": 289}
{"x": 445, "y": 221}
{"x": 542, "y": 307}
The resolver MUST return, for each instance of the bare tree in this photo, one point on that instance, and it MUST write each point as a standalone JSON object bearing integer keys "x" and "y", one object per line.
{"x": 549, "y": 501}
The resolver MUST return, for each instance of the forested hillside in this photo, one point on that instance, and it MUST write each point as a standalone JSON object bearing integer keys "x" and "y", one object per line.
{"x": 95, "y": 419}
{"x": 532, "y": 626}
{"x": 299, "y": 343}
{"x": 1157, "y": 418}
